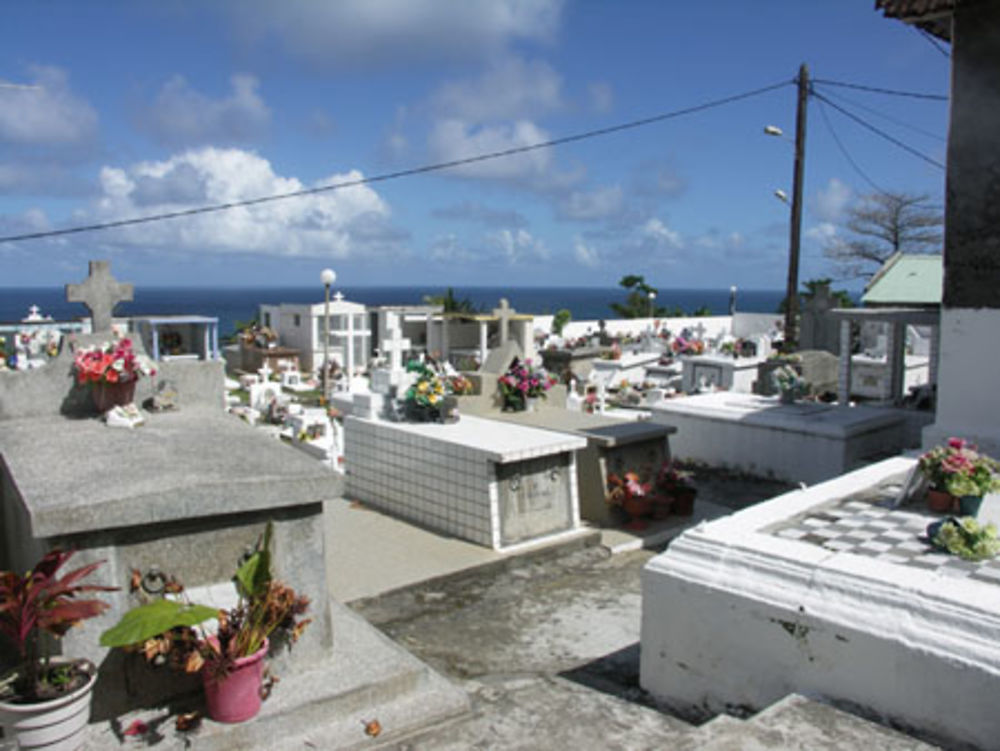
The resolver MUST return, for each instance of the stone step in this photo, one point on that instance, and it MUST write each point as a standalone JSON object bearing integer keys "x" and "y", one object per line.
{"x": 366, "y": 678}
{"x": 797, "y": 723}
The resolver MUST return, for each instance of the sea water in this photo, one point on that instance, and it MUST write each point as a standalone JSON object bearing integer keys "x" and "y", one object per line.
{"x": 239, "y": 304}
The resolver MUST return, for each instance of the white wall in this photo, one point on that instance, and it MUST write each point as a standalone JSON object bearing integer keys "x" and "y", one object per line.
{"x": 714, "y": 325}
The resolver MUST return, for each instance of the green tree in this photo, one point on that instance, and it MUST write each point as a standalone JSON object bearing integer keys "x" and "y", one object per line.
{"x": 559, "y": 321}
{"x": 812, "y": 288}
{"x": 450, "y": 303}
{"x": 703, "y": 312}
{"x": 638, "y": 303}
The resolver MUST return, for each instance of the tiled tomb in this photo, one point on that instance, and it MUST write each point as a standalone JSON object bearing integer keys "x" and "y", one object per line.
{"x": 489, "y": 482}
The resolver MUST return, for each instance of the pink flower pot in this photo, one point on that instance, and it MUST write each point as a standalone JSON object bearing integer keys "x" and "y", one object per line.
{"x": 235, "y": 697}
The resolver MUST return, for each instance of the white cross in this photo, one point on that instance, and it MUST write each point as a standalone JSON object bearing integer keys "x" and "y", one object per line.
{"x": 699, "y": 330}
{"x": 504, "y": 314}
{"x": 264, "y": 372}
{"x": 33, "y": 312}
{"x": 395, "y": 346}
{"x": 339, "y": 297}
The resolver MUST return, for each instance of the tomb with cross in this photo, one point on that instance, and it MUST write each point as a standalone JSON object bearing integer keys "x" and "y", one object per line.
{"x": 503, "y": 315}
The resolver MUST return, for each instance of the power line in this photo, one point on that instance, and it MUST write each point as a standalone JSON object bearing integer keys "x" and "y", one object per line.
{"x": 890, "y": 118}
{"x": 401, "y": 173}
{"x": 861, "y": 121}
{"x": 877, "y": 90}
{"x": 932, "y": 41}
{"x": 843, "y": 150}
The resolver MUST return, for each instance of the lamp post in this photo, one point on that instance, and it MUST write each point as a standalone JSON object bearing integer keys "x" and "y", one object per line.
{"x": 327, "y": 277}
{"x": 795, "y": 229}
{"x": 652, "y": 297}
{"x": 732, "y": 300}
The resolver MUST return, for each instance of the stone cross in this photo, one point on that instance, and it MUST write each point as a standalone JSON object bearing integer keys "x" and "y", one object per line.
{"x": 504, "y": 314}
{"x": 100, "y": 293}
{"x": 339, "y": 297}
{"x": 699, "y": 330}
{"x": 395, "y": 346}
{"x": 264, "y": 372}
{"x": 33, "y": 312}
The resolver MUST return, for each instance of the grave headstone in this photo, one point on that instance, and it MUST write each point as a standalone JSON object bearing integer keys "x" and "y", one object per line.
{"x": 504, "y": 313}
{"x": 818, "y": 330}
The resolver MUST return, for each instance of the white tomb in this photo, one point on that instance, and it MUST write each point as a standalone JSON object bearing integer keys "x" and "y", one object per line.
{"x": 717, "y": 371}
{"x": 827, "y": 593}
{"x": 802, "y": 442}
{"x": 630, "y": 367}
{"x": 494, "y": 483}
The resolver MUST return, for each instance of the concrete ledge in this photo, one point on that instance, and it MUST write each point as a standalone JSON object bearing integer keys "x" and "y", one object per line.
{"x": 366, "y": 677}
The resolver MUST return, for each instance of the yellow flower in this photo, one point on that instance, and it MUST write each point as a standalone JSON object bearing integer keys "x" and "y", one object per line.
{"x": 422, "y": 386}
{"x": 432, "y": 399}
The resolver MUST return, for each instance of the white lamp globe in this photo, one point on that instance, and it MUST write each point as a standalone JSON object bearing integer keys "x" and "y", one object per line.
{"x": 328, "y": 276}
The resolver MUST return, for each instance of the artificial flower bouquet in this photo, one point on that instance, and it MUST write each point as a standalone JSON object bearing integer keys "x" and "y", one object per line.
{"x": 523, "y": 381}
{"x": 111, "y": 362}
{"x": 960, "y": 469}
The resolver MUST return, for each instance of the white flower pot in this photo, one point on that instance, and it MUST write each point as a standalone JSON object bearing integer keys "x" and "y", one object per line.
{"x": 55, "y": 725}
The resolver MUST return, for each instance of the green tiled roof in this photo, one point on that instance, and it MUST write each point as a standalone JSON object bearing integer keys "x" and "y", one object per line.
{"x": 906, "y": 280}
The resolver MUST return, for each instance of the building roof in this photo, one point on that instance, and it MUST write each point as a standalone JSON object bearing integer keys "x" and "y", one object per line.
{"x": 933, "y": 16}
{"x": 907, "y": 279}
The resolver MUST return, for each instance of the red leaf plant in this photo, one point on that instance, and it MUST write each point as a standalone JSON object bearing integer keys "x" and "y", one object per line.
{"x": 40, "y": 601}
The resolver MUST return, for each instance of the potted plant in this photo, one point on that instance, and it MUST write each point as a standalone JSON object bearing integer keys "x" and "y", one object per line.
{"x": 44, "y": 700}
{"x": 230, "y": 660}
{"x": 959, "y": 476}
{"x": 423, "y": 399}
{"x": 523, "y": 382}
{"x": 629, "y": 493}
{"x": 111, "y": 370}
{"x": 675, "y": 484}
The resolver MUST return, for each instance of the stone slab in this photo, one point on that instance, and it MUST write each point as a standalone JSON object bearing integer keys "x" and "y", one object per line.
{"x": 627, "y": 433}
{"x": 74, "y": 476}
{"x": 367, "y": 677}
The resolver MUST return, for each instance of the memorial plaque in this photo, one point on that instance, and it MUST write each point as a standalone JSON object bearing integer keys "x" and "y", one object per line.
{"x": 534, "y": 498}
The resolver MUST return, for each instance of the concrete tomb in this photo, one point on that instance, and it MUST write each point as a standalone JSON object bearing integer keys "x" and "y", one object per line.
{"x": 717, "y": 371}
{"x": 833, "y": 593}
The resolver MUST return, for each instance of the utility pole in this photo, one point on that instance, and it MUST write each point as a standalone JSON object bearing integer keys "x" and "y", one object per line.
{"x": 795, "y": 231}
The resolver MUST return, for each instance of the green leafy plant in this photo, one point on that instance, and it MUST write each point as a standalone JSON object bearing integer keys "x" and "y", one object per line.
{"x": 559, "y": 321}
{"x": 968, "y": 539}
{"x": 164, "y": 629}
{"x": 41, "y": 602}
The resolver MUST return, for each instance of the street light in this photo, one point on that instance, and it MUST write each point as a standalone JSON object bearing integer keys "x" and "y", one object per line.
{"x": 327, "y": 277}
{"x": 652, "y": 296}
{"x": 732, "y": 300}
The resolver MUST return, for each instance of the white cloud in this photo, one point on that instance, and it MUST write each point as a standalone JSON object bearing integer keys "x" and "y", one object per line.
{"x": 601, "y": 96}
{"x": 388, "y": 33}
{"x": 336, "y": 224}
{"x": 654, "y": 177}
{"x": 448, "y": 249}
{"x": 518, "y": 246}
{"x": 48, "y": 115}
{"x": 585, "y": 255}
{"x": 182, "y": 115}
{"x": 593, "y": 205}
{"x": 452, "y": 139}
{"x": 654, "y": 234}
{"x": 822, "y": 232}
{"x": 512, "y": 88}
{"x": 470, "y": 211}
{"x": 830, "y": 201}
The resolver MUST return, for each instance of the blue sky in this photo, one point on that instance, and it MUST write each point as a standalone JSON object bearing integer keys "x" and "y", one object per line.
{"x": 142, "y": 108}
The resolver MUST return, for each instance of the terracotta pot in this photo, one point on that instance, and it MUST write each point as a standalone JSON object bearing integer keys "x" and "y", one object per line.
{"x": 54, "y": 725}
{"x": 235, "y": 697}
{"x": 637, "y": 509}
{"x": 683, "y": 504}
{"x": 108, "y": 395}
{"x": 941, "y": 501}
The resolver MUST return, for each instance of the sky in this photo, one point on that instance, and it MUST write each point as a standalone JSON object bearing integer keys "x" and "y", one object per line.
{"x": 115, "y": 110}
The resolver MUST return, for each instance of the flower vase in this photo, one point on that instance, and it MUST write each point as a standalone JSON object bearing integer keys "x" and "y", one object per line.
{"x": 235, "y": 696}
{"x": 940, "y": 501}
{"x": 968, "y": 505}
{"x": 54, "y": 725}
{"x": 637, "y": 509}
{"x": 531, "y": 404}
{"x": 107, "y": 395}
{"x": 683, "y": 504}
{"x": 787, "y": 397}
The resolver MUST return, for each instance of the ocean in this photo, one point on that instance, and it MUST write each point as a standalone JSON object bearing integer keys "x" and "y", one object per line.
{"x": 234, "y": 304}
